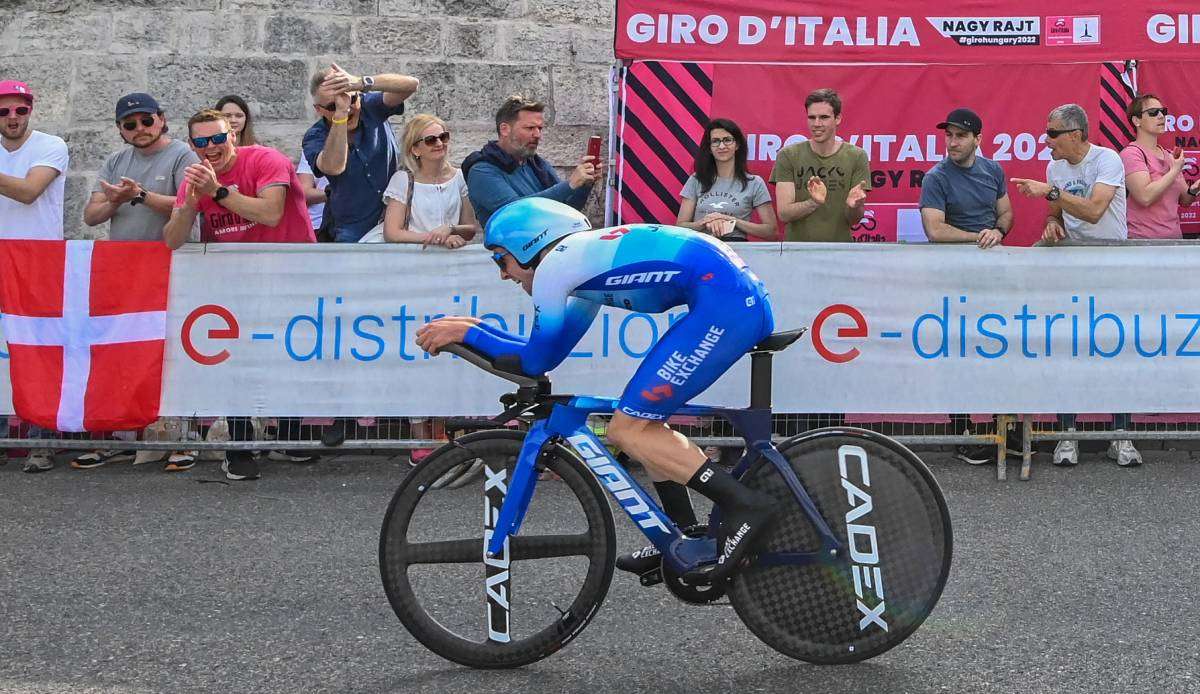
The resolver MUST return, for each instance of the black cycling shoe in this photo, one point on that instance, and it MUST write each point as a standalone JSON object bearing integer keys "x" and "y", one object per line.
{"x": 641, "y": 560}
{"x": 740, "y": 528}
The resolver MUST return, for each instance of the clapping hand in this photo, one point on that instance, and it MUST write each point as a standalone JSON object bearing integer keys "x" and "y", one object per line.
{"x": 120, "y": 194}
{"x": 817, "y": 190}
{"x": 856, "y": 196}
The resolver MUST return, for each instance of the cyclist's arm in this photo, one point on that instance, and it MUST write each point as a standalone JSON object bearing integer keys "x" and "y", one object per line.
{"x": 499, "y": 334}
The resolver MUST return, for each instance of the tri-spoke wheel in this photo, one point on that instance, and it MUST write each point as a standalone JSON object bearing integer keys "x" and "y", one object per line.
{"x": 520, "y": 606}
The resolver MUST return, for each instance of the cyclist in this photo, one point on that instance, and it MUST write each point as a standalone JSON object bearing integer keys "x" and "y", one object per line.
{"x": 571, "y": 270}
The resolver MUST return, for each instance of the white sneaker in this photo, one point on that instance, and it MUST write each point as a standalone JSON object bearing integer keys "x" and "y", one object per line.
{"x": 1066, "y": 453}
{"x": 1124, "y": 453}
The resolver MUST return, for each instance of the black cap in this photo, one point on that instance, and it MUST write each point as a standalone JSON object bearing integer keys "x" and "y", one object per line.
{"x": 964, "y": 118}
{"x": 136, "y": 103}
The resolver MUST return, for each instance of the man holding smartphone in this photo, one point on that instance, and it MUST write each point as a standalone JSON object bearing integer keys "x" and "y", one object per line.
{"x": 509, "y": 168}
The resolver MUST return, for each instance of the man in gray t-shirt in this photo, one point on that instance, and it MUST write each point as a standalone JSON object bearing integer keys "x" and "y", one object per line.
{"x": 964, "y": 198}
{"x": 135, "y": 190}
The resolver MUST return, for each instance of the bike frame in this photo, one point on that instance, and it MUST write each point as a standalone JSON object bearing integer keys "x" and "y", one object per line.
{"x": 568, "y": 423}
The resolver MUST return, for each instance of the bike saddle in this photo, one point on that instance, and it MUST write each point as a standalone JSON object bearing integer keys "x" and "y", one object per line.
{"x": 777, "y": 342}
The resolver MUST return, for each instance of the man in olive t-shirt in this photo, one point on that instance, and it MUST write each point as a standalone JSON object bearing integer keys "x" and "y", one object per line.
{"x": 821, "y": 184}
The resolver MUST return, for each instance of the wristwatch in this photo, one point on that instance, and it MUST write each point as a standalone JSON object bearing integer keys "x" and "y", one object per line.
{"x": 221, "y": 194}
{"x": 1054, "y": 193}
{"x": 368, "y": 83}
{"x": 138, "y": 199}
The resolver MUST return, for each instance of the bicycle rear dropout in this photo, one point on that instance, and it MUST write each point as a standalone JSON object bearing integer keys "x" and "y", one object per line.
{"x": 486, "y": 573}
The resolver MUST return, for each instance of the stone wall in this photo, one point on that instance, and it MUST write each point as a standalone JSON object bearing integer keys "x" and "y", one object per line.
{"x": 79, "y": 56}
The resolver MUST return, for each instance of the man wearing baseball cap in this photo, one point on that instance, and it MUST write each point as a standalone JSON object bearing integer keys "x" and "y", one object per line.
{"x": 135, "y": 190}
{"x": 964, "y": 199}
{"x": 33, "y": 167}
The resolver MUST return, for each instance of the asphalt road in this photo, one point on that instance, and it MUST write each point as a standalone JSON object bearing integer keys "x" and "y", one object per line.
{"x": 125, "y": 579}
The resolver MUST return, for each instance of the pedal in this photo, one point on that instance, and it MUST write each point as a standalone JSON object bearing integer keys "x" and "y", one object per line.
{"x": 651, "y": 578}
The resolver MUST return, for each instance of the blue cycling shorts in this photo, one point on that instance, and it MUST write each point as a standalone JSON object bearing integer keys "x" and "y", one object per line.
{"x": 724, "y": 320}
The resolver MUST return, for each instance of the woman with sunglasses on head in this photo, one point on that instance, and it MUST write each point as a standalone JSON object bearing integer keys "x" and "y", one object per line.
{"x": 431, "y": 208}
{"x": 1154, "y": 176}
{"x": 719, "y": 198}
{"x": 237, "y": 111}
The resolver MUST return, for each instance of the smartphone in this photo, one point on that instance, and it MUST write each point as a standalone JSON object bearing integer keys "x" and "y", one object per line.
{"x": 593, "y": 149}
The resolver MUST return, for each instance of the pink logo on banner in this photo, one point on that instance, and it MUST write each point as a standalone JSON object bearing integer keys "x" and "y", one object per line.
{"x": 1072, "y": 30}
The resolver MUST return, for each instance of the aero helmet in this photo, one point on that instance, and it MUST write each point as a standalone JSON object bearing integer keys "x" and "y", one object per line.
{"x": 524, "y": 227}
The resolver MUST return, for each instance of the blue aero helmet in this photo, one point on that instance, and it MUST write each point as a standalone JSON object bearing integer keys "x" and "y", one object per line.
{"x": 524, "y": 227}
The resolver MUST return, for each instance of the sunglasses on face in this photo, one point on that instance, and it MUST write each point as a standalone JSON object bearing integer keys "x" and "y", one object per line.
{"x": 132, "y": 125}
{"x": 20, "y": 111}
{"x": 1051, "y": 133}
{"x": 723, "y": 141}
{"x": 498, "y": 258}
{"x": 332, "y": 105}
{"x": 431, "y": 140}
{"x": 1154, "y": 112}
{"x": 202, "y": 142}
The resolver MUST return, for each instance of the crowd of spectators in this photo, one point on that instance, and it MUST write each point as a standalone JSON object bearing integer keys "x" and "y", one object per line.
{"x": 354, "y": 183}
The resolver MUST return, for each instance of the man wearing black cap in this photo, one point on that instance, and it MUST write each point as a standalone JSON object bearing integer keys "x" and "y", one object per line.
{"x": 964, "y": 198}
{"x": 135, "y": 190}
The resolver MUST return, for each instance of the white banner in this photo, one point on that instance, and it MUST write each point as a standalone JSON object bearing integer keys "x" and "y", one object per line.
{"x": 326, "y": 330}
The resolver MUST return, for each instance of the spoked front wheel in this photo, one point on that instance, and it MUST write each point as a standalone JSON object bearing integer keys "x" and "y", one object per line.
{"x": 520, "y": 606}
{"x": 885, "y": 508}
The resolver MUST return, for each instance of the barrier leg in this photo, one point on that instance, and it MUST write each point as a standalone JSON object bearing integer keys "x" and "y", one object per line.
{"x": 1001, "y": 446}
{"x": 1026, "y": 447}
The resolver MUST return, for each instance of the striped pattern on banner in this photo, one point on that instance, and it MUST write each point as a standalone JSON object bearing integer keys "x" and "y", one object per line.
{"x": 1117, "y": 82}
{"x": 661, "y": 112}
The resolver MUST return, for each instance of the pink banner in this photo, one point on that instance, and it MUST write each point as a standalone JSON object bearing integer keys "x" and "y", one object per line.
{"x": 892, "y": 112}
{"x": 984, "y": 31}
{"x": 1178, "y": 85}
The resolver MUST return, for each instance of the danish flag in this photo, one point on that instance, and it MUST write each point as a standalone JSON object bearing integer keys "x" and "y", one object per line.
{"x": 86, "y": 325}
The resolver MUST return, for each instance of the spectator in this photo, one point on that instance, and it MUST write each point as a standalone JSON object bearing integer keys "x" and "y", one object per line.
{"x": 439, "y": 212}
{"x": 135, "y": 192}
{"x": 237, "y": 111}
{"x": 509, "y": 168}
{"x": 314, "y": 195}
{"x": 33, "y": 167}
{"x": 1085, "y": 185}
{"x": 719, "y": 197}
{"x": 352, "y": 144}
{"x": 821, "y": 183}
{"x": 271, "y": 210}
{"x": 1153, "y": 176}
{"x": 964, "y": 199}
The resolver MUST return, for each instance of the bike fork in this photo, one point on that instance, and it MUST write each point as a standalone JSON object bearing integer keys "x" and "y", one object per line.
{"x": 520, "y": 489}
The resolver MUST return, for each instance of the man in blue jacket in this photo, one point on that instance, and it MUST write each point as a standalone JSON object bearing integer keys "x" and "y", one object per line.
{"x": 508, "y": 168}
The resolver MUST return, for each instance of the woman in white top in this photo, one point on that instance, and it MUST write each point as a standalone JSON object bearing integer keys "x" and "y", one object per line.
{"x": 441, "y": 214}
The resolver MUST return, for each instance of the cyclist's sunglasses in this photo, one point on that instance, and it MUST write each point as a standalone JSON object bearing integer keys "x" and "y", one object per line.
{"x": 498, "y": 258}
{"x": 132, "y": 125}
{"x": 431, "y": 140}
{"x": 202, "y": 142}
{"x": 332, "y": 105}
{"x": 20, "y": 111}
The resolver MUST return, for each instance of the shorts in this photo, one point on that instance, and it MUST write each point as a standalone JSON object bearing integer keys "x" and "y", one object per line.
{"x": 724, "y": 320}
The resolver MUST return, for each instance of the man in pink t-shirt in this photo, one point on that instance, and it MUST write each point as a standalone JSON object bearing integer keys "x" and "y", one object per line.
{"x": 248, "y": 194}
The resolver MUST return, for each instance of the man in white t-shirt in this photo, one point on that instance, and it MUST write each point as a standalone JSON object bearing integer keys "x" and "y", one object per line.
{"x": 1085, "y": 183}
{"x": 1086, "y": 189}
{"x": 33, "y": 167}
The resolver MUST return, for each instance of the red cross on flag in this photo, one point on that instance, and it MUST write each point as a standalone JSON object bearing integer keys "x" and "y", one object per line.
{"x": 86, "y": 325}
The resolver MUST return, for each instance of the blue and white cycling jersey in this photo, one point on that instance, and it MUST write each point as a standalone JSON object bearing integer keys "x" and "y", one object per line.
{"x": 651, "y": 269}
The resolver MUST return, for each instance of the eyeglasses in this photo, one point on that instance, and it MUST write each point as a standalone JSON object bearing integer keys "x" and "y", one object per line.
{"x": 498, "y": 258}
{"x": 722, "y": 142}
{"x": 132, "y": 125}
{"x": 1051, "y": 133}
{"x": 431, "y": 140}
{"x": 332, "y": 105}
{"x": 202, "y": 142}
{"x": 1153, "y": 112}
{"x": 20, "y": 111}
